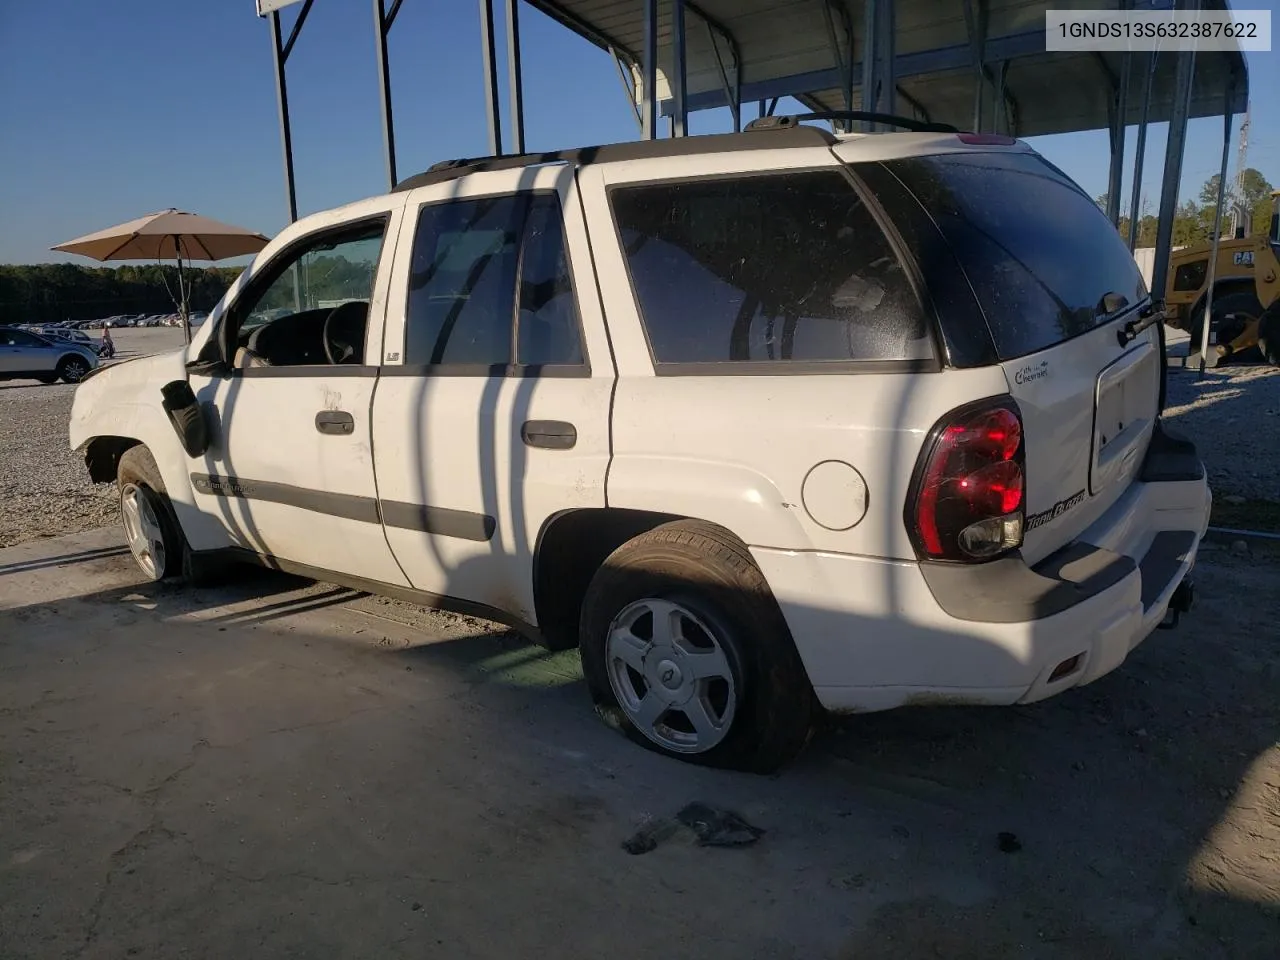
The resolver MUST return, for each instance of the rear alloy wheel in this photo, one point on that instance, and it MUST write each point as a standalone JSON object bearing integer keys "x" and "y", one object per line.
{"x": 72, "y": 369}
{"x": 671, "y": 676}
{"x": 686, "y": 652}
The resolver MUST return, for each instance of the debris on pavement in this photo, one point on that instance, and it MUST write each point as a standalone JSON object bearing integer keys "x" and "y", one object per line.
{"x": 709, "y": 827}
{"x": 718, "y": 828}
{"x": 1009, "y": 842}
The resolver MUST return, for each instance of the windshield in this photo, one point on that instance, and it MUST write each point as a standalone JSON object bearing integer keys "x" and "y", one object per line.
{"x": 1044, "y": 262}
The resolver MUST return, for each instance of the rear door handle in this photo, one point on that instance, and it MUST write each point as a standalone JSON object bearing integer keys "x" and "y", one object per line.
{"x": 552, "y": 434}
{"x": 337, "y": 422}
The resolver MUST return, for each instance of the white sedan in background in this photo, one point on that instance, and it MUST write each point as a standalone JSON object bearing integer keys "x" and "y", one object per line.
{"x": 28, "y": 356}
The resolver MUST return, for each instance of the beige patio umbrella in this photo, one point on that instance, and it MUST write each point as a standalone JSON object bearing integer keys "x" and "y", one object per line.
{"x": 169, "y": 234}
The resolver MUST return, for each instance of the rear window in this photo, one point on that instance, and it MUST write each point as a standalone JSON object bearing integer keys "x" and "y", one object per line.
{"x": 770, "y": 269}
{"x": 1040, "y": 255}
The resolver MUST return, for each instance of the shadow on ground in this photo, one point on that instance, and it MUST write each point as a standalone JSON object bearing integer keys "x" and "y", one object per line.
{"x": 275, "y": 768}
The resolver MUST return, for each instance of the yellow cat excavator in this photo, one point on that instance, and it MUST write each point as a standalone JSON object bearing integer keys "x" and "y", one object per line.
{"x": 1246, "y": 294}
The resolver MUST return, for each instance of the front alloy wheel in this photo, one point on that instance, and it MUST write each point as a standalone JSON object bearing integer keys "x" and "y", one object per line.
{"x": 143, "y": 531}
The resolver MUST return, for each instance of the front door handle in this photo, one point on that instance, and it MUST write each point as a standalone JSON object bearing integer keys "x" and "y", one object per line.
{"x": 337, "y": 422}
{"x": 552, "y": 434}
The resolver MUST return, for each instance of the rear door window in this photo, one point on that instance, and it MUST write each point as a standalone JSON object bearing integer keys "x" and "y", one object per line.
{"x": 769, "y": 269}
{"x": 491, "y": 285}
{"x": 1045, "y": 263}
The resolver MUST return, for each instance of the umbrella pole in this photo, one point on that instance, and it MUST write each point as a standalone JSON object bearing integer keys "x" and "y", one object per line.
{"x": 183, "y": 314}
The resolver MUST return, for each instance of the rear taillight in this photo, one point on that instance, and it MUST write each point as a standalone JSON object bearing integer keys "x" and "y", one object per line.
{"x": 967, "y": 499}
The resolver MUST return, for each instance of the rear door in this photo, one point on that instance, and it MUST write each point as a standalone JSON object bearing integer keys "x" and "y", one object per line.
{"x": 1056, "y": 286}
{"x": 492, "y": 411}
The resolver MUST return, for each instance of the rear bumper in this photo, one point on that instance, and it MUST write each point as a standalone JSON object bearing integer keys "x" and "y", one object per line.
{"x": 876, "y": 634}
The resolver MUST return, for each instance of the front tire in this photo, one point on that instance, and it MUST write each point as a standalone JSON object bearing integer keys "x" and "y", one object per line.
{"x": 686, "y": 652}
{"x": 152, "y": 532}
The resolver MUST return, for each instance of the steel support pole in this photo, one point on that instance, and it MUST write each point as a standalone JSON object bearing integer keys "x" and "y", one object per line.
{"x": 870, "y": 41}
{"x": 489, "y": 60}
{"x": 731, "y": 90}
{"x": 1002, "y": 123}
{"x": 975, "y": 21}
{"x": 886, "y": 83}
{"x": 878, "y": 87}
{"x": 1217, "y": 231}
{"x": 515, "y": 76}
{"x": 282, "y": 99}
{"x": 1135, "y": 202}
{"x": 624, "y": 77}
{"x": 649, "y": 73}
{"x": 843, "y": 58}
{"x": 1119, "y": 122}
{"x": 381, "y": 26}
{"x": 737, "y": 89}
{"x": 1172, "y": 168}
{"x": 679, "y": 48}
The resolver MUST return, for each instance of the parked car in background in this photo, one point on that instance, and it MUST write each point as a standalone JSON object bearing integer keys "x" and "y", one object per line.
{"x": 29, "y": 356}
{"x": 72, "y": 334}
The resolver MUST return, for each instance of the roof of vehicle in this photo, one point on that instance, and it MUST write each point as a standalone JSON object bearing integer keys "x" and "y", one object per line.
{"x": 772, "y": 139}
{"x": 786, "y": 133}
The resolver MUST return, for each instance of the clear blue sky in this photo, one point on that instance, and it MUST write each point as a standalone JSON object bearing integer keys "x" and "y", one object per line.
{"x": 112, "y": 110}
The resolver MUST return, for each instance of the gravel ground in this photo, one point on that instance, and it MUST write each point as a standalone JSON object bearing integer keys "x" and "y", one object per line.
{"x": 1227, "y": 414}
{"x": 45, "y": 490}
{"x": 44, "y": 487}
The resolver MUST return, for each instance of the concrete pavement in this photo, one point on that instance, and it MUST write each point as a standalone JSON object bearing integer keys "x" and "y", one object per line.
{"x": 275, "y": 768}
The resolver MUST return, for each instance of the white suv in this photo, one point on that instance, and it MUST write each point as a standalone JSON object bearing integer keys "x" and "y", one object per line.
{"x": 762, "y": 422}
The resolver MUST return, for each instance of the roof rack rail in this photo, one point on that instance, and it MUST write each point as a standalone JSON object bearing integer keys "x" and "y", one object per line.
{"x": 890, "y": 119}
{"x": 767, "y": 138}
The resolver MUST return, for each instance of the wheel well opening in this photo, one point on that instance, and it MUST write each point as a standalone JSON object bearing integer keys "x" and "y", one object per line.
{"x": 1222, "y": 288}
{"x": 102, "y": 457}
{"x": 570, "y": 550}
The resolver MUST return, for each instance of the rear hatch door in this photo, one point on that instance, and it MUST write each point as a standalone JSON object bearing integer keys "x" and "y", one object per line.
{"x": 1056, "y": 286}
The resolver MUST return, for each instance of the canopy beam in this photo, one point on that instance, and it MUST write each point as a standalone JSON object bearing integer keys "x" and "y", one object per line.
{"x": 382, "y": 21}
{"x": 1211, "y": 277}
{"x": 280, "y": 56}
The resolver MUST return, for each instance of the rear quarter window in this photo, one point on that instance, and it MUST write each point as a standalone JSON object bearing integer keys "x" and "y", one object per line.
{"x": 774, "y": 269}
{"x": 1038, "y": 253}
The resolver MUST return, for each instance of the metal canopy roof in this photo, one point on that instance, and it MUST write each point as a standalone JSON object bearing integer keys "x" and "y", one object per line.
{"x": 795, "y": 48}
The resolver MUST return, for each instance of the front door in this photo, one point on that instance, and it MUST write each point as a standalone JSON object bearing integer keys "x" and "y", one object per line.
{"x": 22, "y": 352}
{"x": 290, "y": 471}
{"x": 492, "y": 413}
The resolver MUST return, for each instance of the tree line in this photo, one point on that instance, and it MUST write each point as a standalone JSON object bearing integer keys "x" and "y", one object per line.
{"x": 1193, "y": 222}
{"x": 51, "y": 292}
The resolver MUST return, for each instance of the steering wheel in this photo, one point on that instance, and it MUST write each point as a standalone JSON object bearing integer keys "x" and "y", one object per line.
{"x": 343, "y": 333}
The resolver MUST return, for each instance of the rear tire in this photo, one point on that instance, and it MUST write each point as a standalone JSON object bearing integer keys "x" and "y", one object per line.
{"x": 686, "y": 652}
{"x": 1240, "y": 305}
{"x": 72, "y": 369}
